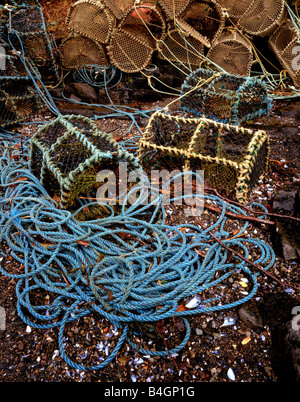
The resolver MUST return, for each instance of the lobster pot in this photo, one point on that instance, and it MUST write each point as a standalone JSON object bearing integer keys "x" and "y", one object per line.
{"x": 233, "y": 53}
{"x": 118, "y": 7}
{"x": 27, "y": 25}
{"x": 78, "y": 51}
{"x": 67, "y": 153}
{"x": 232, "y": 158}
{"x": 283, "y": 42}
{"x": 16, "y": 108}
{"x": 130, "y": 50}
{"x": 262, "y": 17}
{"x": 179, "y": 47}
{"x": 235, "y": 9}
{"x": 147, "y": 18}
{"x": 173, "y": 8}
{"x": 224, "y": 97}
{"x": 91, "y": 19}
{"x": 203, "y": 19}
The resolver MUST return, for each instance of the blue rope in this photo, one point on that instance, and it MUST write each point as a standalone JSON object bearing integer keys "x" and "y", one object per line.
{"x": 133, "y": 267}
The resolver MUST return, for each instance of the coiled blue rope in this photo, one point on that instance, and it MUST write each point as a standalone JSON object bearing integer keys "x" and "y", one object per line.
{"x": 131, "y": 268}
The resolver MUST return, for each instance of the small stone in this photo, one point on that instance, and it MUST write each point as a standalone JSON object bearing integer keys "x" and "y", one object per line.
{"x": 199, "y": 331}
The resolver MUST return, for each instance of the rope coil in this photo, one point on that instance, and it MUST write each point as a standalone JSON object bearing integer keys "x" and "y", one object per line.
{"x": 132, "y": 268}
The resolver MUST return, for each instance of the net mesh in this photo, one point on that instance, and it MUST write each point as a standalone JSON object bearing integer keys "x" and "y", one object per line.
{"x": 91, "y": 19}
{"x": 173, "y": 8}
{"x": 18, "y": 105}
{"x": 235, "y": 9}
{"x": 232, "y": 52}
{"x": 180, "y": 47}
{"x": 262, "y": 17}
{"x": 78, "y": 51}
{"x": 224, "y": 97}
{"x": 67, "y": 153}
{"x": 118, "y": 7}
{"x": 130, "y": 49}
{"x": 233, "y": 158}
{"x": 283, "y": 42}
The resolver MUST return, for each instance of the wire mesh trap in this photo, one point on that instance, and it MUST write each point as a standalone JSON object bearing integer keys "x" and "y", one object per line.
{"x": 262, "y": 17}
{"x": 92, "y": 19}
{"x": 130, "y": 50}
{"x": 68, "y": 152}
{"x": 284, "y": 41}
{"x": 28, "y": 33}
{"x": 224, "y": 97}
{"x": 78, "y": 51}
{"x": 231, "y": 157}
{"x": 232, "y": 52}
{"x": 18, "y": 104}
{"x": 18, "y": 101}
{"x": 203, "y": 19}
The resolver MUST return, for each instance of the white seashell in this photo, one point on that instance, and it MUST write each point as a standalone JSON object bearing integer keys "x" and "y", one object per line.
{"x": 28, "y": 329}
{"x": 106, "y": 350}
{"x": 56, "y": 353}
{"x": 133, "y": 378}
{"x": 194, "y": 302}
{"x": 229, "y": 321}
{"x": 138, "y": 361}
{"x": 100, "y": 346}
{"x": 230, "y": 374}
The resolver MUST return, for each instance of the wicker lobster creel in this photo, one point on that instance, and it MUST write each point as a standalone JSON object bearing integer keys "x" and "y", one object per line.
{"x": 130, "y": 50}
{"x": 285, "y": 44}
{"x": 173, "y": 8}
{"x": 91, "y": 19}
{"x": 233, "y": 52}
{"x": 203, "y": 19}
{"x": 232, "y": 158}
{"x": 78, "y": 51}
{"x": 235, "y": 9}
{"x": 224, "y": 97}
{"x": 67, "y": 154}
{"x": 262, "y": 17}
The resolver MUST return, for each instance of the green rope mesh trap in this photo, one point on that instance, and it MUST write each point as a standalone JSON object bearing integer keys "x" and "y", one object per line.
{"x": 18, "y": 100}
{"x": 232, "y": 158}
{"x": 28, "y": 33}
{"x": 68, "y": 152}
{"x": 224, "y": 97}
